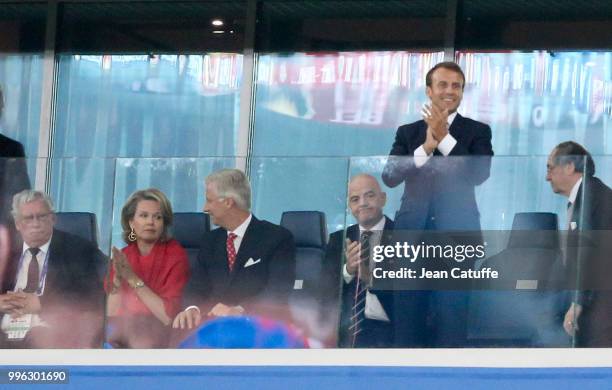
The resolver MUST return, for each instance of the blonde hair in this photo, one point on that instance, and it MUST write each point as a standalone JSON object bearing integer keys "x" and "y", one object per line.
{"x": 129, "y": 210}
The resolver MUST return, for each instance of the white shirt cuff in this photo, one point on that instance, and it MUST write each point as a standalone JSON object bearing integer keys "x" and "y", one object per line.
{"x": 347, "y": 277}
{"x": 420, "y": 156}
{"x": 193, "y": 307}
{"x": 447, "y": 144}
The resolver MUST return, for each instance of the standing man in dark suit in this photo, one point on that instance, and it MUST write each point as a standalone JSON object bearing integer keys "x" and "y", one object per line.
{"x": 365, "y": 318}
{"x": 440, "y": 160}
{"x": 438, "y": 191}
{"x": 570, "y": 169}
{"x": 13, "y": 171}
{"x": 51, "y": 295}
{"x": 246, "y": 266}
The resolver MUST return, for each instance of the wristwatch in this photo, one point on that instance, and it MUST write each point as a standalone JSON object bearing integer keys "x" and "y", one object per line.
{"x": 136, "y": 283}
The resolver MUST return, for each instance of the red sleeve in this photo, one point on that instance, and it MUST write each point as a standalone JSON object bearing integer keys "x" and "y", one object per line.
{"x": 174, "y": 278}
{"x": 108, "y": 280}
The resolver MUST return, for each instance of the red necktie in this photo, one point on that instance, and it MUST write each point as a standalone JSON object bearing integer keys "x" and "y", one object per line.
{"x": 231, "y": 251}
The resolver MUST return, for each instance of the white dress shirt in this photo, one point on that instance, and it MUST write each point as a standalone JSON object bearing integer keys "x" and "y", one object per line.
{"x": 373, "y": 307}
{"x": 240, "y": 231}
{"x": 445, "y": 146}
{"x": 572, "y": 199}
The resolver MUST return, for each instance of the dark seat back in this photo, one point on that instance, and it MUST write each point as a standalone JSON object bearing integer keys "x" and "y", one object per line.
{"x": 309, "y": 231}
{"x": 188, "y": 229}
{"x": 534, "y": 230}
{"x": 80, "y": 224}
{"x": 525, "y": 314}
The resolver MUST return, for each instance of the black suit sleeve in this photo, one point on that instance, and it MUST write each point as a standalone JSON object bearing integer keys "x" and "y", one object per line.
{"x": 400, "y": 164}
{"x": 281, "y": 270}
{"x": 199, "y": 288}
{"x": 13, "y": 178}
{"x": 74, "y": 294}
{"x": 475, "y": 166}
{"x": 77, "y": 280}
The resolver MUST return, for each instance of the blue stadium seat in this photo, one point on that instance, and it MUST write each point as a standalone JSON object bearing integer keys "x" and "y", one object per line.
{"x": 80, "y": 224}
{"x": 309, "y": 231}
{"x": 527, "y": 314}
{"x": 188, "y": 229}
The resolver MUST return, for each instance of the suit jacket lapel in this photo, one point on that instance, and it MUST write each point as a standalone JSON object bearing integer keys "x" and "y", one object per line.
{"x": 456, "y": 126}
{"x": 247, "y": 247}
{"x": 387, "y": 235}
{"x": 55, "y": 257}
{"x": 220, "y": 266}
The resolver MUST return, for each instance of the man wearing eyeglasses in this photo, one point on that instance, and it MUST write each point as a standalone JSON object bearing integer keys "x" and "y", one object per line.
{"x": 570, "y": 169}
{"x": 51, "y": 296}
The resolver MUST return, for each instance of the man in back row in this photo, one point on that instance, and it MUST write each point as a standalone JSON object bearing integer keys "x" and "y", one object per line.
{"x": 246, "y": 266}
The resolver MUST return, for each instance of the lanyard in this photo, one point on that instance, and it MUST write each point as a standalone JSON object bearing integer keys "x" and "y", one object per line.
{"x": 43, "y": 276}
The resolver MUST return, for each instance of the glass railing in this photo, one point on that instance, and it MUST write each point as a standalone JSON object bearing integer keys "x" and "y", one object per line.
{"x": 482, "y": 252}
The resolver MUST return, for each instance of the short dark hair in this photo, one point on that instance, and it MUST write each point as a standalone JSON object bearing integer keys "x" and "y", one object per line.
{"x": 572, "y": 152}
{"x": 452, "y": 66}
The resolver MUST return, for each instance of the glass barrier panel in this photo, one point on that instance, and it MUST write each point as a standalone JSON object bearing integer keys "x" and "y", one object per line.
{"x": 353, "y": 100}
{"x": 21, "y": 86}
{"x": 471, "y": 257}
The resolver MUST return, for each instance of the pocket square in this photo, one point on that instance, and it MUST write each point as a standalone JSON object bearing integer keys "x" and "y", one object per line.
{"x": 251, "y": 262}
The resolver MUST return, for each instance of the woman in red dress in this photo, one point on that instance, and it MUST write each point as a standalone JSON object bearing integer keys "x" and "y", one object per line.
{"x": 147, "y": 277}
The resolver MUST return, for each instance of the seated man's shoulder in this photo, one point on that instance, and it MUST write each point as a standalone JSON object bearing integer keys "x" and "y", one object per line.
{"x": 71, "y": 240}
{"x": 10, "y": 147}
{"x": 474, "y": 123}
{"x": 272, "y": 230}
{"x": 70, "y": 246}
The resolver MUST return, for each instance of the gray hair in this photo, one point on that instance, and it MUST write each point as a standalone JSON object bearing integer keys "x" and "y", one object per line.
{"x": 232, "y": 183}
{"x": 28, "y": 196}
{"x": 572, "y": 152}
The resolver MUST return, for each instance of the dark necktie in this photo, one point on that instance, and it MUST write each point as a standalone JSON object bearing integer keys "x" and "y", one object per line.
{"x": 231, "y": 251}
{"x": 33, "y": 272}
{"x": 361, "y": 288}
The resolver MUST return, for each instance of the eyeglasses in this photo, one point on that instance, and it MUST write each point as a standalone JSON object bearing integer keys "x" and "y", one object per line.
{"x": 29, "y": 219}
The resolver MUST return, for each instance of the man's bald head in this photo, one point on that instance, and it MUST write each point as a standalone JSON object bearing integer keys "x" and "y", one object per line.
{"x": 366, "y": 200}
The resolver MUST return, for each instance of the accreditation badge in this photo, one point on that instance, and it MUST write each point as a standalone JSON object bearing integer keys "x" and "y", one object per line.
{"x": 16, "y": 328}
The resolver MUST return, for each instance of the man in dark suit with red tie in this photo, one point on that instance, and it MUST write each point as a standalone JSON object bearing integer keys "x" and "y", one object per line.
{"x": 570, "y": 171}
{"x": 440, "y": 160}
{"x": 51, "y": 295}
{"x": 246, "y": 266}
